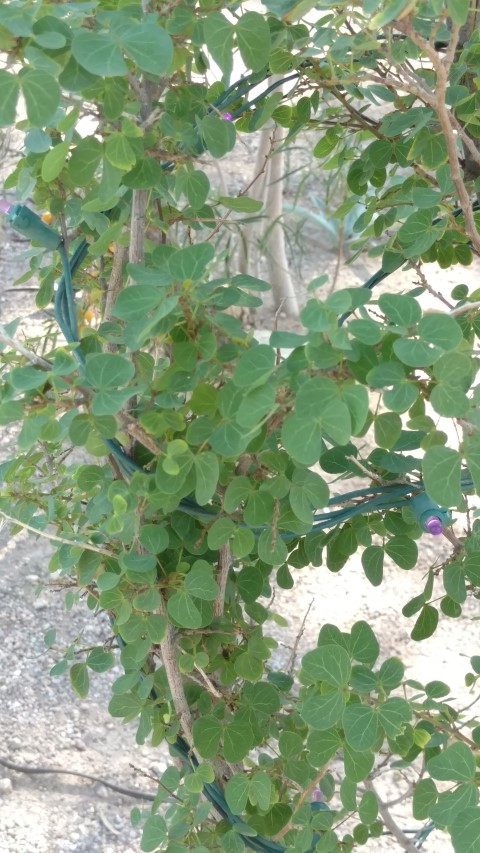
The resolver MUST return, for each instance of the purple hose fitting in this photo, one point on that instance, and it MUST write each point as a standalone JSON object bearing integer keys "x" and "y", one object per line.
{"x": 4, "y": 206}
{"x": 434, "y": 526}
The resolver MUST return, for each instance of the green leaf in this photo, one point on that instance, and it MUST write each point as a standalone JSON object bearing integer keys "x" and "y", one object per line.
{"x": 364, "y": 644}
{"x": 154, "y": 833}
{"x": 248, "y": 667}
{"x": 322, "y": 746}
{"x": 108, "y": 370}
{"x": 403, "y": 551}
{"x": 458, "y": 11}
{"x": 237, "y": 741}
{"x": 357, "y": 764}
{"x": 254, "y": 367}
{"x": 360, "y": 726}
{"x": 424, "y": 796}
{"x": 416, "y": 353}
{"x": 137, "y": 302}
{"x": 260, "y": 790}
{"x": 79, "y": 679}
{"x": 368, "y": 808}
{"x": 454, "y": 582}
{"x": 98, "y": 54}
{"x": 372, "y": 562}
{"x": 472, "y": 458}
{"x": 324, "y": 712}
{"x": 455, "y": 763}
{"x": 426, "y": 623}
{"x": 207, "y": 732}
{"x": 256, "y": 405}
{"x": 54, "y": 161}
{"x": 184, "y": 611}
{"x": 236, "y": 793}
{"x": 465, "y": 831}
{"x": 262, "y": 698}
{"x": 442, "y": 474}
{"x": 42, "y": 96}
{"x": 302, "y": 438}
{"x": 399, "y": 309}
{"x": 271, "y": 548}
{"x": 84, "y": 160}
{"x": 393, "y": 715}
{"x": 218, "y": 134}
{"x": 451, "y": 803}
{"x": 253, "y": 39}
{"x": 195, "y": 185}
{"x": 449, "y": 401}
{"x": 207, "y": 472}
{"x": 149, "y": 46}
{"x": 199, "y": 581}
{"x": 441, "y": 330}
{"x": 391, "y": 673}
{"x": 119, "y": 152}
{"x": 387, "y": 427}
{"x": 241, "y": 204}
{"x": 218, "y": 33}
{"x": 191, "y": 263}
{"x": 9, "y": 91}
{"x": 328, "y": 663}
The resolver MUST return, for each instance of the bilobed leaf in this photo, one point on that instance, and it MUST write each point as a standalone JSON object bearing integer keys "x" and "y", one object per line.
{"x": 455, "y": 763}
{"x": 253, "y": 39}
{"x": 465, "y": 831}
{"x": 98, "y": 54}
{"x": 42, "y": 96}
{"x": 364, "y": 644}
{"x": 322, "y": 746}
{"x": 218, "y": 135}
{"x": 9, "y": 91}
{"x": 79, "y": 679}
{"x": 441, "y": 474}
{"x": 84, "y": 160}
{"x": 360, "y": 725}
{"x": 450, "y": 803}
{"x": 454, "y": 582}
{"x": 424, "y": 796}
{"x": 271, "y": 548}
{"x": 54, "y": 161}
{"x": 426, "y": 623}
{"x": 236, "y": 793}
{"x": 254, "y": 367}
{"x": 119, "y": 152}
{"x": 241, "y": 204}
{"x": 416, "y": 353}
{"x": 323, "y": 712}
{"x": 108, "y": 370}
{"x": 237, "y": 741}
{"x": 372, "y": 562}
{"x": 154, "y": 833}
{"x": 191, "y": 262}
{"x": 218, "y": 33}
{"x": 400, "y": 309}
{"x": 207, "y": 473}
{"x": 328, "y": 663}
{"x": 403, "y": 551}
{"x": 260, "y": 790}
{"x": 458, "y": 11}
{"x": 207, "y": 732}
{"x": 441, "y": 330}
{"x": 368, "y": 808}
{"x": 357, "y": 764}
{"x": 149, "y": 46}
{"x": 449, "y": 401}
{"x": 195, "y": 185}
{"x": 136, "y": 302}
{"x": 199, "y": 581}
{"x": 393, "y": 715}
{"x": 184, "y": 611}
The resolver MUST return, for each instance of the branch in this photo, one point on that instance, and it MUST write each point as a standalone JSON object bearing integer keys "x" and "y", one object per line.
{"x": 52, "y": 538}
{"x": 389, "y": 822}
{"x": 37, "y": 360}
{"x": 224, "y": 563}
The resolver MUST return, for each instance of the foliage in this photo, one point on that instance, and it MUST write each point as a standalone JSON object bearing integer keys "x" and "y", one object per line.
{"x": 232, "y": 448}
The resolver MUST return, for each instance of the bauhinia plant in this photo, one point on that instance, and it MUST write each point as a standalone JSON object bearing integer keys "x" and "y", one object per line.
{"x": 206, "y": 456}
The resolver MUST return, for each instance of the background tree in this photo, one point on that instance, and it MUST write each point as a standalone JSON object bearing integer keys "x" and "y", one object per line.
{"x": 208, "y": 454}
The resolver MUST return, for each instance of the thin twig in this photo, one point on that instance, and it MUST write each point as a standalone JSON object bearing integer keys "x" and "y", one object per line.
{"x": 462, "y": 309}
{"x": 423, "y": 281}
{"x": 389, "y": 822}
{"x": 224, "y": 563}
{"x": 52, "y": 538}
{"x": 293, "y": 656}
{"x": 37, "y": 360}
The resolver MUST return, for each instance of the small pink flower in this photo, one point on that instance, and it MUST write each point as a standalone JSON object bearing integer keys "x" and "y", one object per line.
{"x": 227, "y": 116}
